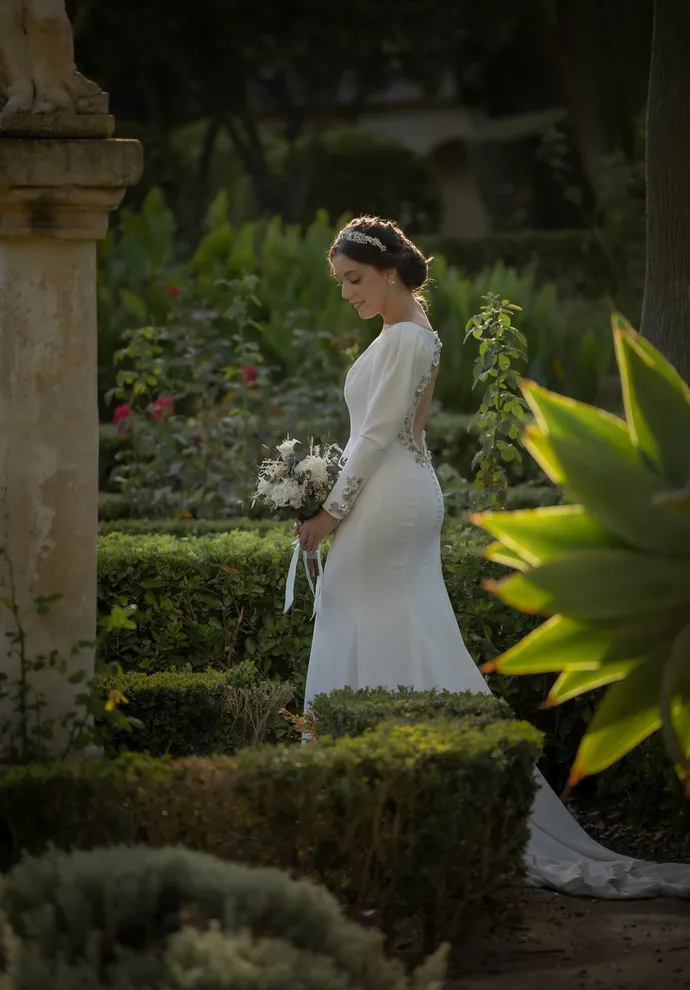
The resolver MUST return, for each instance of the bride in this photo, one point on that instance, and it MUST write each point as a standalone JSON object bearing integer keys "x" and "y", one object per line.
{"x": 385, "y": 618}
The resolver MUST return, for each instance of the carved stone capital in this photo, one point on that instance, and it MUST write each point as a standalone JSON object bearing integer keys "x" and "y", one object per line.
{"x": 64, "y": 188}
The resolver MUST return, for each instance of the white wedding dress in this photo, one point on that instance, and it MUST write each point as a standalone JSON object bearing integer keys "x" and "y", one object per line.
{"x": 385, "y": 618}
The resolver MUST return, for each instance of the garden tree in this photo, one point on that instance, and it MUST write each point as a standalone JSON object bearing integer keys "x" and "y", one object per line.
{"x": 596, "y": 56}
{"x": 273, "y": 75}
{"x": 666, "y": 305}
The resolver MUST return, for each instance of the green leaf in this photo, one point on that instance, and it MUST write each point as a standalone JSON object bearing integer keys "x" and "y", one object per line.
{"x": 573, "y": 683}
{"x": 657, "y": 406}
{"x": 558, "y": 416}
{"x": 620, "y": 495}
{"x": 592, "y": 585}
{"x": 537, "y": 535}
{"x": 628, "y": 714}
{"x": 678, "y": 501}
{"x": 674, "y": 696}
{"x": 135, "y": 304}
{"x": 541, "y": 449}
{"x": 500, "y": 554}
{"x": 562, "y": 643}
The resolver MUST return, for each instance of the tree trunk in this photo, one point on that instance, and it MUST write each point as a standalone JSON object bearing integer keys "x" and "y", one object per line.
{"x": 666, "y": 305}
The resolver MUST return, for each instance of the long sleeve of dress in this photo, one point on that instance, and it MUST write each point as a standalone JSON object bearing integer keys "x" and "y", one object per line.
{"x": 399, "y": 365}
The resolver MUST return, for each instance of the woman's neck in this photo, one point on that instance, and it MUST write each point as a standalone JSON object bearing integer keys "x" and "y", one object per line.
{"x": 405, "y": 314}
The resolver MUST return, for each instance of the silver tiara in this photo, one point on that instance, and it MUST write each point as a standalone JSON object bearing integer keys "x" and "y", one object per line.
{"x": 360, "y": 238}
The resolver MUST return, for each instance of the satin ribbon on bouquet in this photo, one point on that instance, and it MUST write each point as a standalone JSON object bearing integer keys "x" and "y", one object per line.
{"x": 292, "y": 574}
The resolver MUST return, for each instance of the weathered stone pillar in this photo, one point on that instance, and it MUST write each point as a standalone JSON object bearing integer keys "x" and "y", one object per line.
{"x": 56, "y": 190}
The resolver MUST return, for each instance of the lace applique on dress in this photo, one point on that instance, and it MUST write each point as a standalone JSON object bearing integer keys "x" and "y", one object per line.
{"x": 353, "y": 487}
{"x": 406, "y": 435}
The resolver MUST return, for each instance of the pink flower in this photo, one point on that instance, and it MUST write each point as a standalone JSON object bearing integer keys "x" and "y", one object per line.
{"x": 250, "y": 375}
{"x": 121, "y": 417}
{"x": 162, "y": 409}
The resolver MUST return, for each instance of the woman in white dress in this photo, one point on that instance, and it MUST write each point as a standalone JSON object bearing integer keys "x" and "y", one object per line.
{"x": 385, "y": 618}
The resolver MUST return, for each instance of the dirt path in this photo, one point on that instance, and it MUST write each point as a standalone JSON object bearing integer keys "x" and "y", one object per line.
{"x": 543, "y": 940}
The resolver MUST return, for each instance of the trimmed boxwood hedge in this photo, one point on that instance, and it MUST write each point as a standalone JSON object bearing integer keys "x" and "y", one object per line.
{"x": 186, "y": 528}
{"x": 216, "y": 600}
{"x": 350, "y": 711}
{"x": 196, "y": 714}
{"x": 406, "y": 819}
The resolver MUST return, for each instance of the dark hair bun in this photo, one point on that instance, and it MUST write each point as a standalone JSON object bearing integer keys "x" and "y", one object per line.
{"x": 382, "y": 244}
{"x": 413, "y": 267}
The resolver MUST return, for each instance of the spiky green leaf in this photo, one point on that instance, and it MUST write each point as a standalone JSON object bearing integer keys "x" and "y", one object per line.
{"x": 674, "y": 696}
{"x": 541, "y": 449}
{"x": 562, "y": 643}
{"x": 657, "y": 407}
{"x": 500, "y": 554}
{"x": 538, "y": 535}
{"x": 628, "y": 714}
{"x": 592, "y": 585}
{"x": 573, "y": 683}
{"x": 558, "y": 416}
{"x": 620, "y": 496}
{"x": 678, "y": 501}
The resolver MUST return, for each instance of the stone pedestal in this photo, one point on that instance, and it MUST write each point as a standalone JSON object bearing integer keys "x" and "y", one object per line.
{"x": 55, "y": 196}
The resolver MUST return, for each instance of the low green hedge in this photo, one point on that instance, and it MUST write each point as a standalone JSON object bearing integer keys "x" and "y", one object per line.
{"x": 404, "y": 819}
{"x": 196, "y": 714}
{"x": 132, "y": 917}
{"x": 350, "y": 712}
{"x": 113, "y": 505}
{"x": 186, "y": 528}
{"x": 216, "y": 600}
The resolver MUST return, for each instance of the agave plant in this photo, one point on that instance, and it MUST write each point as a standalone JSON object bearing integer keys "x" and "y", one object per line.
{"x": 612, "y": 569}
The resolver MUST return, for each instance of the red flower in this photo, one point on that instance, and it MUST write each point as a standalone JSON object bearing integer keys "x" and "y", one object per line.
{"x": 250, "y": 375}
{"x": 174, "y": 291}
{"x": 162, "y": 409}
{"x": 121, "y": 417}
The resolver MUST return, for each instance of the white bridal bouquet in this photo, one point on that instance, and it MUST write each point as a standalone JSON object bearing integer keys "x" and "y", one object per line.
{"x": 295, "y": 486}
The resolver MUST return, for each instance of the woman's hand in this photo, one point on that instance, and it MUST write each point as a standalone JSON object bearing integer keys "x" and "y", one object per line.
{"x": 313, "y": 531}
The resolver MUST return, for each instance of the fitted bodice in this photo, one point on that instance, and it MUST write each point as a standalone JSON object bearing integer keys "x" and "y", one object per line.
{"x": 361, "y": 382}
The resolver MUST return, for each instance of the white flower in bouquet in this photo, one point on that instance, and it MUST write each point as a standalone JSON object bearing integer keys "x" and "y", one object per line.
{"x": 316, "y": 467}
{"x": 287, "y": 447}
{"x": 287, "y": 493}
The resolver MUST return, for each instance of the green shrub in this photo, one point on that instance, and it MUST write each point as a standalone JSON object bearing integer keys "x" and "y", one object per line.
{"x": 303, "y": 326}
{"x": 406, "y": 819}
{"x": 350, "y": 711}
{"x": 216, "y": 600}
{"x": 211, "y": 600}
{"x": 576, "y": 259}
{"x": 403, "y": 819}
{"x": 568, "y": 337}
{"x": 113, "y": 505}
{"x": 75, "y": 805}
{"x": 186, "y": 528}
{"x": 171, "y": 919}
{"x": 197, "y": 714}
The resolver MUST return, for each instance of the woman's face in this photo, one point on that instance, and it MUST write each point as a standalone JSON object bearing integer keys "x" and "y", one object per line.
{"x": 363, "y": 286}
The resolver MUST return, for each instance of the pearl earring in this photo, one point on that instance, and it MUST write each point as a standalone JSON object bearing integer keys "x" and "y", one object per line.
{"x": 391, "y": 281}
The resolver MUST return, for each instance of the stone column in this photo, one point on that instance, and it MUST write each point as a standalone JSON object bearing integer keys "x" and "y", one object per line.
{"x": 57, "y": 188}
